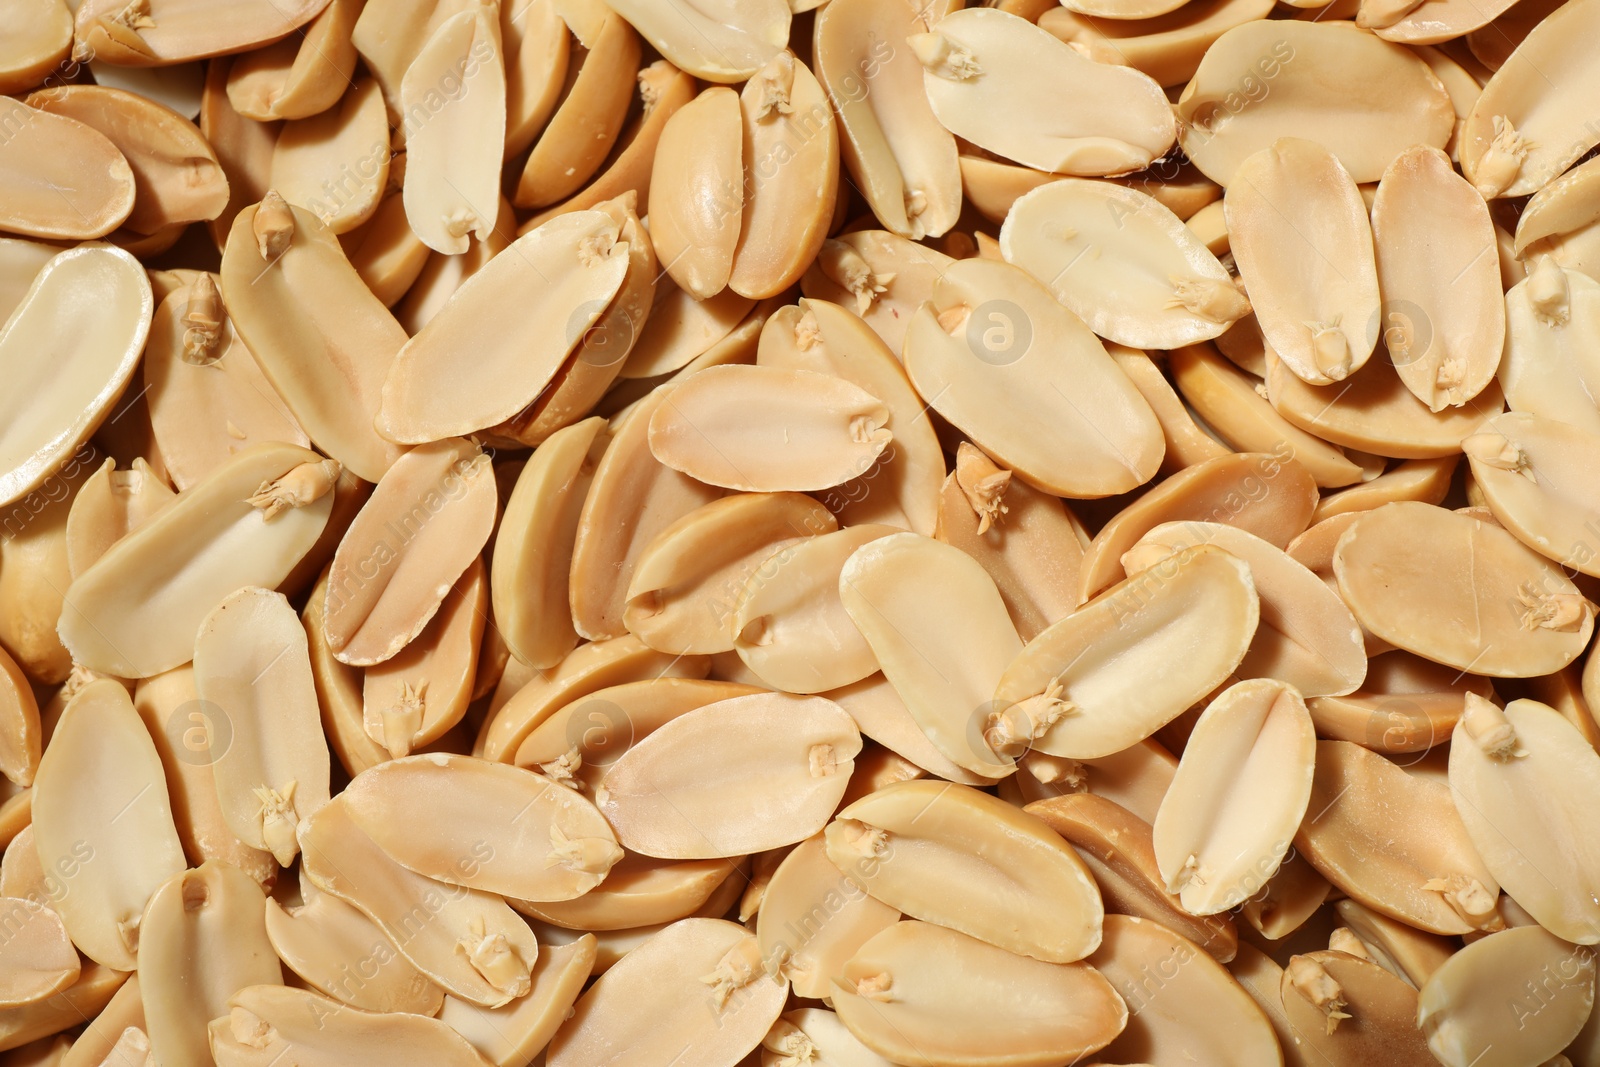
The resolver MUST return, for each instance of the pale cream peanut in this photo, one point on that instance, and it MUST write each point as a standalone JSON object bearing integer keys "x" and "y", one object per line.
{"x": 1240, "y": 792}
{"x": 789, "y": 622}
{"x": 115, "y": 845}
{"x": 791, "y": 172}
{"x": 697, "y": 192}
{"x": 512, "y": 1034}
{"x": 349, "y": 141}
{"x": 134, "y": 613}
{"x": 388, "y": 34}
{"x": 158, "y": 32}
{"x": 973, "y": 60}
{"x": 1143, "y": 279}
{"x": 474, "y": 946}
{"x": 1446, "y": 339}
{"x": 493, "y": 828}
{"x": 926, "y": 848}
{"x": 687, "y": 581}
{"x": 1314, "y": 287}
{"x": 1460, "y": 1029}
{"x": 1307, "y": 638}
{"x": 423, "y": 526}
{"x": 672, "y": 797}
{"x": 902, "y": 159}
{"x": 412, "y": 699}
{"x": 795, "y": 430}
{"x": 252, "y": 669}
{"x": 461, "y": 373}
{"x": 942, "y": 640}
{"x": 794, "y": 944}
{"x": 67, "y": 368}
{"x": 298, "y": 76}
{"x": 206, "y": 940}
{"x": 50, "y": 159}
{"x": 1089, "y": 685}
{"x": 711, "y": 1001}
{"x": 341, "y": 953}
{"x": 916, "y": 978}
{"x": 715, "y": 40}
{"x": 1505, "y": 762}
{"x": 1197, "y": 1005}
{"x": 323, "y": 341}
{"x": 1518, "y": 615}
{"x": 176, "y": 176}
{"x": 453, "y": 157}
{"x": 1006, "y": 364}
{"x": 602, "y": 354}
{"x": 1523, "y": 131}
{"x": 1531, "y": 471}
{"x": 267, "y": 1023}
{"x": 1386, "y": 98}
{"x": 576, "y": 741}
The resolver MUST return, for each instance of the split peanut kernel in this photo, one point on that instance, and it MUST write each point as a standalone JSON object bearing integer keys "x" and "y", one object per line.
{"x": 799, "y": 533}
